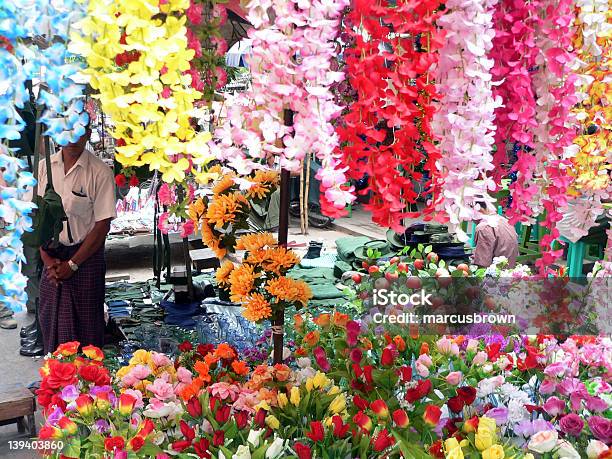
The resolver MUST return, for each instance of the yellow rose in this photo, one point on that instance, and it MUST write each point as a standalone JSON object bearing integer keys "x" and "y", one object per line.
{"x": 455, "y": 453}
{"x": 294, "y": 396}
{"x": 282, "y": 400}
{"x": 483, "y": 439}
{"x": 338, "y": 404}
{"x": 451, "y": 444}
{"x": 485, "y": 423}
{"x": 272, "y": 422}
{"x": 494, "y": 452}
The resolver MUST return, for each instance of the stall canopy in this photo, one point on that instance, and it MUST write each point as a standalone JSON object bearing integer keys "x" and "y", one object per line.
{"x": 236, "y": 56}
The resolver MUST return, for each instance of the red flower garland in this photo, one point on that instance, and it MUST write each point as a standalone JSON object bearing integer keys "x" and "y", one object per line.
{"x": 386, "y": 132}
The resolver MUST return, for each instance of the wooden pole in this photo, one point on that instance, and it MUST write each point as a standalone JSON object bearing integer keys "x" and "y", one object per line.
{"x": 278, "y": 321}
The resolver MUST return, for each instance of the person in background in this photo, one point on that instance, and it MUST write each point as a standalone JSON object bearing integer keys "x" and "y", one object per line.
{"x": 71, "y": 304}
{"x": 492, "y": 241}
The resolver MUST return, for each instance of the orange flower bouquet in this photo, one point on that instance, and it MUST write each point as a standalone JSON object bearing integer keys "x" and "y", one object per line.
{"x": 222, "y": 216}
{"x": 260, "y": 283}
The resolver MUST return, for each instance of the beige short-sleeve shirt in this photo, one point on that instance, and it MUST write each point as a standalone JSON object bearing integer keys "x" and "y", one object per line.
{"x": 87, "y": 192}
{"x": 501, "y": 241}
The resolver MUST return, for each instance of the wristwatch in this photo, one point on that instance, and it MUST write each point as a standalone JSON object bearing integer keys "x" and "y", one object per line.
{"x": 73, "y": 265}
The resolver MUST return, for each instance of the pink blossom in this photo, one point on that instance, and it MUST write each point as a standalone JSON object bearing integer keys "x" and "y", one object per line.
{"x": 480, "y": 358}
{"x": 548, "y": 386}
{"x": 166, "y": 92}
{"x": 165, "y": 195}
{"x": 220, "y": 45}
{"x": 194, "y": 12}
{"x": 140, "y": 372}
{"x": 160, "y": 360}
{"x": 225, "y": 390}
{"x": 161, "y": 389}
{"x": 187, "y": 228}
{"x": 554, "y": 406}
{"x": 454, "y": 378}
{"x": 247, "y": 400}
{"x": 220, "y": 12}
{"x": 221, "y": 76}
{"x": 184, "y": 375}
{"x": 163, "y": 223}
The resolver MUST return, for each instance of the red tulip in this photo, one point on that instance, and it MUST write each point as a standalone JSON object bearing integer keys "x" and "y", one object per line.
{"x": 137, "y": 443}
{"x": 379, "y": 407}
{"x": 471, "y": 425}
{"x": 84, "y": 404}
{"x": 126, "y": 404}
{"x": 303, "y": 451}
{"x": 340, "y": 428}
{"x": 367, "y": 373}
{"x": 241, "y": 418}
{"x": 146, "y": 428}
{"x": 194, "y": 407}
{"x": 187, "y": 431}
{"x": 218, "y": 438}
{"x": 387, "y": 358}
{"x": 67, "y": 425}
{"x": 316, "y": 432}
{"x": 360, "y": 403}
{"x": 222, "y": 414}
{"x": 383, "y": 441}
{"x": 436, "y": 450}
{"x": 260, "y": 417}
{"x": 363, "y": 421}
{"x": 134, "y": 180}
{"x": 400, "y": 418}
{"x": 180, "y": 445}
{"x": 432, "y": 414}
{"x": 201, "y": 448}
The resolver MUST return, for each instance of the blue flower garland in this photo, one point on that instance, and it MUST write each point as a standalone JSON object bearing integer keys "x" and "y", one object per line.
{"x": 64, "y": 115}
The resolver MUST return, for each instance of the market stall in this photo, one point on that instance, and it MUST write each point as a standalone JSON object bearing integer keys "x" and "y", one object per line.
{"x": 475, "y": 133}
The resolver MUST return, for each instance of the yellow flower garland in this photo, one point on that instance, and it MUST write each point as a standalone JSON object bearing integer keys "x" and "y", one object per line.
{"x": 149, "y": 99}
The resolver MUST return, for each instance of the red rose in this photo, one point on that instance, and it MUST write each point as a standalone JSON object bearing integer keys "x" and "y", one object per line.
{"x": 316, "y": 432}
{"x": 436, "y": 450}
{"x": 134, "y": 180}
{"x": 241, "y": 418}
{"x": 456, "y": 404}
{"x": 422, "y": 388}
{"x": 363, "y": 421}
{"x": 467, "y": 393}
{"x": 205, "y": 349}
{"x": 114, "y": 443}
{"x": 120, "y": 180}
{"x": 405, "y": 373}
{"x": 450, "y": 426}
{"x": 400, "y": 418}
{"x": 61, "y": 374}
{"x": 367, "y": 373}
{"x": 387, "y": 358}
{"x": 380, "y": 409}
{"x": 95, "y": 374}
{"x": 218, "y": 438}
{"x": 201, "y": 448}
{"x": 356, "y": 355}
{"x": 185, "y": 346}
{"x": 360, "y": 403}
{"x": 194, "y": 407}
{"x": 303, "y": 451}
{"x": 136, "y": 443}
{"x": 383, "y": 441}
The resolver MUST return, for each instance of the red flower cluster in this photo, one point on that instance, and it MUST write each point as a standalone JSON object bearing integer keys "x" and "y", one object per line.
{"x": 386, "y": 132}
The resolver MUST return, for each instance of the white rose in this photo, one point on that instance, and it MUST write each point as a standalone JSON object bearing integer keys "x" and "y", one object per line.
{"x": 243, "y": 452}
{"x": 220, "y": 455}
{"x": 565, "y": 450}
{"x": 595, "y": 448}
{"x": 275, "y": 449}
{"x": 543, "y": 441}
{"x": 303, "y": 362}
{"x": 254, "y": 436}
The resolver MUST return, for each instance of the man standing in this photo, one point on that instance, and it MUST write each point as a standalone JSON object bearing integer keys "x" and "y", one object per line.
{"x": 499, "y": 240}
{"x": 71, "y": 304}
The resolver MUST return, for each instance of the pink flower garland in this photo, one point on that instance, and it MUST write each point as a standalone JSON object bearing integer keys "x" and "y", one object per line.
{"x": 514, "y": 53}
{"x": 556, "y": 130}
{"x": 291, "y": 68}
{"x": 465, "y": 120}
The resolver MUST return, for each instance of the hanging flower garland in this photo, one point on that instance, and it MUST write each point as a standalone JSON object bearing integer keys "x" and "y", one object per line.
{"x": 64, "y": 116}
{"x": 386, "y": 133}
{"x": 591, "y": 164}
{"x": 205, "y": 17}
{"x": 465, "y": 118}
{"x": 515, "y": 52}
{"x": 555, "y": 86}
{"x": 139, "y": 62}
{"x": 291, "y": 70}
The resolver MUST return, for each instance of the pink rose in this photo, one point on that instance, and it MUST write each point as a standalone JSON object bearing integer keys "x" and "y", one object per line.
{"x": 472, "y": 345}
{"x": 571, "y": 424}
{"x": 480, "y": 358}
{"x": 184, "y": 375}
{"x": 601, "y": 428}
{"x": 543, "y": 442}
{"x": 140, "y": 372}
{"x": 454, "y": 378}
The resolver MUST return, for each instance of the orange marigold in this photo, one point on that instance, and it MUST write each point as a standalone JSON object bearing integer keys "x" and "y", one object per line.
{"x": 340, "y": 320}
{"x": 258, "y": 191}
{"x": 257, "y": 308}
{"x": 225, "y": 351}
{"x": 224, "y": 208}
{"x": 223, "y": 272}
{"x": 226, "y": 182}
{"x": 196, "y": 210}
{"x": 242, "y": 282}
{"x": 240, "y": 367}
{"x": 255, "y": 241}
{"x": 212, "y": 241}
{"x": 289, "y": 290}
{"x": 279, "y": 259}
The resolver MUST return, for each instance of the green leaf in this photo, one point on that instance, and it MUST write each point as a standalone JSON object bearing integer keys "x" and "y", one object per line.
{"x": 150, "y": 450}
{"x": 427, "y": 249}
{"x": 420, "y": 248}
{"x": 73, "y": 449}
